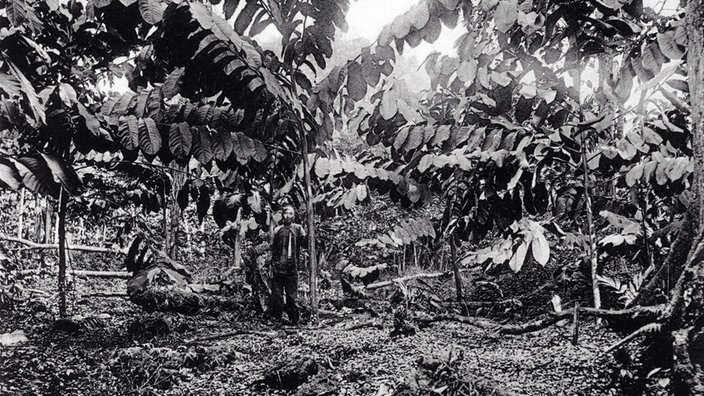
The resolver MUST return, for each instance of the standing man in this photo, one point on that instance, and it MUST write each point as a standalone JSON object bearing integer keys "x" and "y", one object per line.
{"x": 285, "y": 254}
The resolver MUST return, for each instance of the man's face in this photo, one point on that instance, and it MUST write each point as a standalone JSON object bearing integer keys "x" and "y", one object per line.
{"x": 288, "y": 216}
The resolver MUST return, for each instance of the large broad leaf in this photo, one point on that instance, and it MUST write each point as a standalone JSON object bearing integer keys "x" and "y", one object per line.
{"x": 388, "y": 106}
{"x": 467, "y": 71}
{"x": 222, "y": 144}
{"x": 356, "y": 83}
{"x": 260, "y": 153}
{"x": 540, "y": 248}
{"x": 668, "y": 46}
{"x": 28, "y": 91}
{"x": 64, "y": 173}
{"x": 125, "y": 103}
{"x": 421, "y": 15}
{"x": 37, "y": 176}
{"x": 173, "y": 83}
{"x": 519, "y": 257}
{"x": 149, "y": 137}
{"x": 244, "y": 19}
{"x": 229, "y": 8}
{"x": 22, "y": 14}
{"x": 243, "y": 147}
{"x": 129, "y": 133}
{"x": 415, "y": 139}
{"x": 10, "y": 84}
{"x": 92, "y": 122}
{"x": 9, "y": 176}
{"x": 505, "y": 15}
{"x": 180, "y": 141}
{"x": 366, "y": 274}
{"x": 255, "y": 202}
{"x": 202, "y": 148}
{"x": 151, "y": 10}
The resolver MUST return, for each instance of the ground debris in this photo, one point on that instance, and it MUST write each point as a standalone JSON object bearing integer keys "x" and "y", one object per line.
{"x": 183, "y": 301}
{"x": 442, "y": 375}
{"x": 320, "y": 385}
{"x": 289, "y": 372}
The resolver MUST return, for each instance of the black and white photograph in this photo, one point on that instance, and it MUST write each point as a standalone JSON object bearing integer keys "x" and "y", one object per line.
{"x": 352, "y": 197}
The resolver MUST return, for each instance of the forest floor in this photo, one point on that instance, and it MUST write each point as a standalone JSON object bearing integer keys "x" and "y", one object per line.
{"x": 124, "y": 350}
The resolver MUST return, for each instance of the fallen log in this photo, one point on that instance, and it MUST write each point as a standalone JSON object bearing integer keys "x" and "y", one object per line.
{"x": 650, "y": 313}
{"x": 105, "y": 295}
{"x": 86, "y": 273}
{"x": 470, "y": 320}
{"x": 394, "y": 281}
{"x": 52, "y": 246}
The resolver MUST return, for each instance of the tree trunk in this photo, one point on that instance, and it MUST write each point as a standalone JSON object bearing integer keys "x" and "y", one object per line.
{"x": 63, "y": 199}
{"x": 20, "y": 214}
{"x": 312, "y": 256}
{"x": 38, "y": 219}
{"x": 456, "y": 268}
{"x": 695, "y": 61}
{"x": 237, "y": 259}
{"x": 688, "y": 308}
{"x": 178, "y": 179}
{"x": 591, "y": 250}
{"x": 49, "y": 222}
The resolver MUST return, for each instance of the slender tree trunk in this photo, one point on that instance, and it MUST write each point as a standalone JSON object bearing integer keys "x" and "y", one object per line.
{"x": 189, "y": 239}
{"x": 49, "y": 222}
{"x": 20, "y": 214}
{"x": 591, "y": 249}
{"x": 313, "y": 284}
{"x": 238, "y": 248}
{"x": 178, "y": 179}
{"x": 63, "y": 200}
{"x": 165, "y": 219}
{"x": 38, "y": 220}
{"x": 456, "y": 268}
